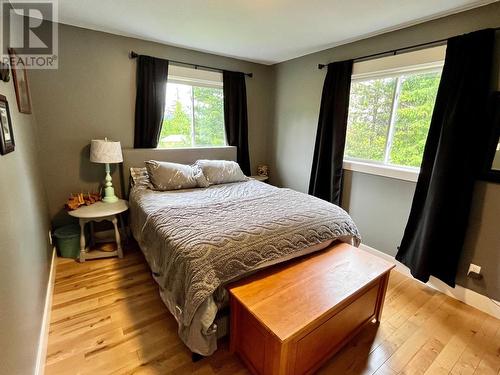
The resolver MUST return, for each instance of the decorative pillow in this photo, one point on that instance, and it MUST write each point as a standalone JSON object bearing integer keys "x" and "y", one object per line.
{"x": 139, "y": 177}
{"x": 173, "y": 176}
{"x": 221, "y": 171}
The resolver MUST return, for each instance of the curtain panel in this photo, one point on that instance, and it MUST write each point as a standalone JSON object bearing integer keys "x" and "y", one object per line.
{"x": 236, "y": 117}
{"x": 326, "y": 172}
{"x": 452, "y": 160}
{"x": 152, "y": 74}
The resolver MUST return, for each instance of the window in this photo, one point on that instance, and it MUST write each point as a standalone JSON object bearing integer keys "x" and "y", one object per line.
{"x": 390, "y": 110}
{"x": 194, "y": 110}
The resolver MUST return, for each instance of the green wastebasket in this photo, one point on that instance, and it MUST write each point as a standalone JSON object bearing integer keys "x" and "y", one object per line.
{"x": 68, "y": 241}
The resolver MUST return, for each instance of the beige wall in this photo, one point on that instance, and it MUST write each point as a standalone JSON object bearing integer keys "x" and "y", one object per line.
{"x": 92, "y": 95}
{"x": 379, "y": 205}
{"x": 25, "y": 253}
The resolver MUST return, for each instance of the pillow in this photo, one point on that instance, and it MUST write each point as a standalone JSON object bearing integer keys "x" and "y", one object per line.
{"x": 173, "y": 176}
{"x": 139, "y": 177}
{"x": 221, "y": 171}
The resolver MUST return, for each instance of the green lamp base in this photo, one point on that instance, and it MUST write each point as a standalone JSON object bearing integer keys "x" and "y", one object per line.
{"x": 109, "y": 191}
{"x": 110, "y": 199}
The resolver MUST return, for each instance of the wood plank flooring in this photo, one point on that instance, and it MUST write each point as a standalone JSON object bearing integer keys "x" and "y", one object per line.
{"x": 108, "y": 318}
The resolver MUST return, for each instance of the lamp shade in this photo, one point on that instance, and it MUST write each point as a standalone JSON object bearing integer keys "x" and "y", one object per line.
{"x": 104, "y": 151}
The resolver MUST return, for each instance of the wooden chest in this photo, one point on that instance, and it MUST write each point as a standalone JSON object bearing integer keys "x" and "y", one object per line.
{"x": 293, "y": 317}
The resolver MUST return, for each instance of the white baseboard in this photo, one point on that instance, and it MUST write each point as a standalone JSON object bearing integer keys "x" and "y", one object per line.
{"x": 460, "y": 293}
{"x": 44, "y": 332}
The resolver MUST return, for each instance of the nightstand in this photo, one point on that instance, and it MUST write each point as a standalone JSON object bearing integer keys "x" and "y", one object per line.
{"x": 260, "y": 178}
{"x": 94, "y": 213}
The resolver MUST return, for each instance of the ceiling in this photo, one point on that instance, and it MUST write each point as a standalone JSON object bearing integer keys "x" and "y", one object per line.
{"x": 264, "y": 31}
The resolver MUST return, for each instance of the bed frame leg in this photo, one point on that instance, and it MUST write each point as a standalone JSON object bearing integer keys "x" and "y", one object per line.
{"x": 195, "y": 357}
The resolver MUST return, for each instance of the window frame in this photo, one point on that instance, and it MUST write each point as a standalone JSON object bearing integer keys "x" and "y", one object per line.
{"x": 385, "y": 168}
{"x": 195, "y": 82}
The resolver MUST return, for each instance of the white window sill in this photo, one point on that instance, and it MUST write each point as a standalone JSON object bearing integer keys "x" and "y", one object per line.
{"x": 196, "y": 148}
{"x": 399, "y": 173}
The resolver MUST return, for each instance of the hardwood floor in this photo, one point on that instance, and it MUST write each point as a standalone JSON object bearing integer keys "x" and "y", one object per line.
{"x": 108, "y": 318}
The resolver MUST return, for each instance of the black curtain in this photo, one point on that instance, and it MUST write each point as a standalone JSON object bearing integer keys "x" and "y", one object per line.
{"x": 152, "y": 74}
{"x": 455, "y": 147}
{"x": 235, "y": 116}
{"x": 326, "y": 173}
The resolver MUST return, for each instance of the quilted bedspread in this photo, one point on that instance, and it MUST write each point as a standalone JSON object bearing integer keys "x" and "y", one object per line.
{"x": 199, "y": 239}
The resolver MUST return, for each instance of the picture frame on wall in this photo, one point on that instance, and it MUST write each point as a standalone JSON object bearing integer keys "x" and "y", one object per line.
{"x": 4, "y": 72}
{"x": 6, "y": 134}
{"x": 20, "y": 79}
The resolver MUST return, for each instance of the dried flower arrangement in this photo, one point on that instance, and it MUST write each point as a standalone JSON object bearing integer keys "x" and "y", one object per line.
{"x": 81, "y": 199}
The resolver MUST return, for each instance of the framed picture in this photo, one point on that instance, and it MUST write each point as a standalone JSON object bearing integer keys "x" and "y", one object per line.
{"x": 20, "y": 82}
{"x": 4, "y": 72}
{"x": 6, "y": 134}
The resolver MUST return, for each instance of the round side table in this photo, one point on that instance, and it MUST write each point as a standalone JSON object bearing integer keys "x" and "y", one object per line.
{"x": 94, "y": 213}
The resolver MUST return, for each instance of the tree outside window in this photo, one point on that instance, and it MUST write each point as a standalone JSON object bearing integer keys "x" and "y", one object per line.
{"x": 389, "y": 117}
{"x": 194, "y": 117}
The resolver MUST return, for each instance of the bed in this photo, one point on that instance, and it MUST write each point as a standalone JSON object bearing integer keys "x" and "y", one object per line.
{"x": 198, "y": 240}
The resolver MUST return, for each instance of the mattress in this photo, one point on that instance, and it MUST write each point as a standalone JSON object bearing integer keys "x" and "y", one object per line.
{"x": 198, "y": 240}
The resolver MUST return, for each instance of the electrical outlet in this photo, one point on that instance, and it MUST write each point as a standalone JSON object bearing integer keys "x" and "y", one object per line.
{"x": 474, "y": 269}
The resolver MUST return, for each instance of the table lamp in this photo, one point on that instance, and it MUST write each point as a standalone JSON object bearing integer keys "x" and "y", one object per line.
{"x": 104, "y": 151}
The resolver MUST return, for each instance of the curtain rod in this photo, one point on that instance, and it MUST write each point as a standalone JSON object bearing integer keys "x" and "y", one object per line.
{"x": 398, "y": 50}
{"x": 134, "y": 55}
